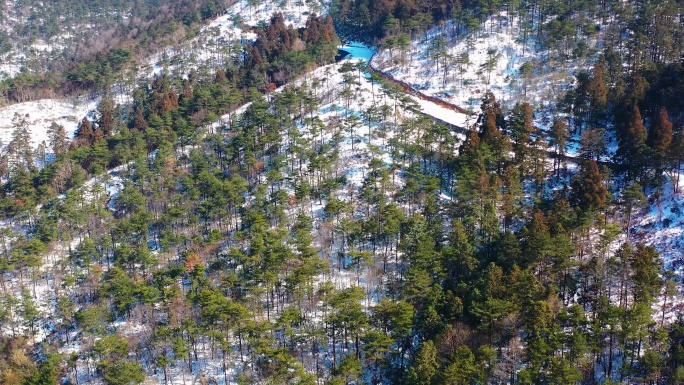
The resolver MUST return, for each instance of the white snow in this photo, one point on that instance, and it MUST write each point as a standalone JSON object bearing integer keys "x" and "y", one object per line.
{"x": 9, "y": 70}
{"x": 40, "y": 114}
{"x": 295, "y": 12}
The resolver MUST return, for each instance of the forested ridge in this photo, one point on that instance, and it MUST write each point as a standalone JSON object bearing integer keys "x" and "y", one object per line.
{"x": 77, "y": 46}
{"x": 286, "y": 219}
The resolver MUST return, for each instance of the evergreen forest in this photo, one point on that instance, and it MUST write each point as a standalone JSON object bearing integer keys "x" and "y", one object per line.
{"x": 292, "y": 214}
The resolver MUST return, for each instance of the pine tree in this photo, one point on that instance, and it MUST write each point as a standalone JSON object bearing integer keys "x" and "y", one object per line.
{"x": 47, "y": 373}
{"x": 521, "y": 129}
{"x": 589, "y": 192}
{"x": 660, "y": 135}
{"x": 19, "y": 148}
{"x": 598, "y": 94}
{"x": 537, "y": 239}
{"x": 106, "y": 122}
{"x": 462, "y": 370}
{"x": 632, "y": 143}
{"x": 593, "y": 143}
{"x": 58, "y": 139}
{"x": 646, "y": 267}
{"x": 491, "y": 133}
{"x": 675, "y": 158}
{"x": 30, "y": 312}
{"x": 559, "y": 136}
{"x": 139, "y": 122}
{"x": 659, "y": 140}
{"x": 633, "y": 198}
{"x": 85, "y": 135}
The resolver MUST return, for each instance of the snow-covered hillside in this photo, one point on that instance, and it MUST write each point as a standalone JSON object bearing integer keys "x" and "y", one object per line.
{"x": 217, "y": 42}
{"x": 358, "y": 144}
{"x": 661, "y": 225}
{"x": 27, "y": 52}
{"x": 460, "y": 69}
{"x": 222, "y": 39}
{"x": 224, "y": 256}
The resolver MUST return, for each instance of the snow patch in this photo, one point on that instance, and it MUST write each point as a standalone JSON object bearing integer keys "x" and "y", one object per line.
{"x": 40, "y": 114}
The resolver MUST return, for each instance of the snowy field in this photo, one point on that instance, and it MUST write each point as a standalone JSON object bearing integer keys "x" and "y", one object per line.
{"x": 40, "y": 114}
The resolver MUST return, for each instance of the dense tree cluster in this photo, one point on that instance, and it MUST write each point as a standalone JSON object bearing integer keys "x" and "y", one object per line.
{"x": 639, "y": 110}
{"x": 281, "y": 52}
